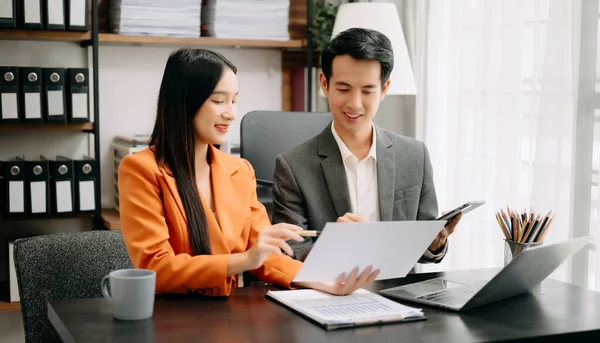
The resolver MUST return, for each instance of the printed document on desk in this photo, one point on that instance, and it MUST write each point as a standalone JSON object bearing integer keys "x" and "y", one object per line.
{"x": 361, "y": 308}
{"x": 392, "y": 247}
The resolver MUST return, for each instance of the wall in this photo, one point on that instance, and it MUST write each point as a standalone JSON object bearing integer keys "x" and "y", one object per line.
{"x": 129, "y": 79}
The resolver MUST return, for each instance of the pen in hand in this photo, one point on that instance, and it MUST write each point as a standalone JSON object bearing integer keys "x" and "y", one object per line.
{"x": 309, "y": 233}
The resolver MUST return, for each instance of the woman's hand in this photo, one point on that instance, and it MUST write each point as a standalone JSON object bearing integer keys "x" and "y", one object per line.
{"x": 344, "y": 285}
{"x": 272, "y": 240}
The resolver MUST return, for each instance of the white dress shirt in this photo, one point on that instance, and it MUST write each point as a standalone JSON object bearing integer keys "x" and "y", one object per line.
{"x": 362, "y": 179}
{"x": 362, "y": 183}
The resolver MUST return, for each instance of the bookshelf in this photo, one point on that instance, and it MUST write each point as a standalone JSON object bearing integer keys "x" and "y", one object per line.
{"x": 89, "y": 127}
{"x": 294, "y": 51}
{"x": 22, "y": 225}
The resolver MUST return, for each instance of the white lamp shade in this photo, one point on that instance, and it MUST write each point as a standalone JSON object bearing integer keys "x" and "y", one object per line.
{"x": 383, "y": 17}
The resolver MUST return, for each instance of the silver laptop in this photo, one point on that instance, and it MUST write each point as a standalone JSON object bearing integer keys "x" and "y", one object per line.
{"x": 525, "y": 272}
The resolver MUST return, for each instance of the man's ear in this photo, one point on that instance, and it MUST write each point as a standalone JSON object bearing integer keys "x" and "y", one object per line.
{"x": 323, "y": 83}
{"x": 384, "y": 89}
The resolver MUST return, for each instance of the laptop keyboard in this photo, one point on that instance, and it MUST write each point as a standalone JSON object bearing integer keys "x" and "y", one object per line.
{"x": 454, "y": 297}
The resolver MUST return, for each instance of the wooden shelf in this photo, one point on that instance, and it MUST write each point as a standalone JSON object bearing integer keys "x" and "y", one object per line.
{"x": 8, "y": 306}
{"x": 111, "y": 38}
{"x": 61, "y": 127}
{"x": 65, "y": 36}
{"x": 111, "y": 219}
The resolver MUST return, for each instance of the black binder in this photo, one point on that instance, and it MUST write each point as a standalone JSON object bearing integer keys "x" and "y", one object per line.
{"x": 78, "y": 90}
{"x": 9, "y": 12}
{"x": 31, "y": 94}
{"x": 38, "y": 187}
{"x": 31, "y": 14}
{"x": 14, "y": 183}
{"x": 54, "y": 95}
{"x": 55, "y": 14}
{"x": 10, "y": 109}
{"x": 86, "y": 174}
{"x": 62, "y": 181}
{"x": 77, "y": 15}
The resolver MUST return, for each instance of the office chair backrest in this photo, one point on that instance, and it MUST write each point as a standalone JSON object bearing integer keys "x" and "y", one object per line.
{"x": 266, "y": 134}
{"x": 63, "y": 266}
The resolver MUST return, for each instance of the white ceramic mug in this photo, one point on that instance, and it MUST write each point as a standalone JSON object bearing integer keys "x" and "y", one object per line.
{"x": 131, "y": 293}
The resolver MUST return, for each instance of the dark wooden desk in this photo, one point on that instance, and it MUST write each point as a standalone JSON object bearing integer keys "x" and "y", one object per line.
{"x": 556, "y": 311}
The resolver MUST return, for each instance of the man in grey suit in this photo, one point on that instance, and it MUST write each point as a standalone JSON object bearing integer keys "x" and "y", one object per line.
{"x": 354, "y": 170}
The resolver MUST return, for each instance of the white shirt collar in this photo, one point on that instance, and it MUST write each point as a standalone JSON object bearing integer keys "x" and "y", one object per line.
{"x": 344, "y": 149}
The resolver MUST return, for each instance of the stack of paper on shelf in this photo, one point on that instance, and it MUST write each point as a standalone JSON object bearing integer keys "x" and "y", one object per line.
{"x": 177, "y": 18}
{"x": 121, "y": 147}
{"x": 246, "y": 19}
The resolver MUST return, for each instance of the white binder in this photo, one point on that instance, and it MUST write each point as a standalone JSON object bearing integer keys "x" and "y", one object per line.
{"x": 31, "y": 88}
{"x": 9, "y": 94}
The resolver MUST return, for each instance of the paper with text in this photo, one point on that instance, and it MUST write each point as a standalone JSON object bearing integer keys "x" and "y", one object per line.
{"x": 360, "y": 307}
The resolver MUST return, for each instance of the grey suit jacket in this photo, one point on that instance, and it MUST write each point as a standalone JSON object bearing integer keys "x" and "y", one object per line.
{"x": 310, "y": 187}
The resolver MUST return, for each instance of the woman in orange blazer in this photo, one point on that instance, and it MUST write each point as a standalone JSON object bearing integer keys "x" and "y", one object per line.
{"x": 189, "y": 211}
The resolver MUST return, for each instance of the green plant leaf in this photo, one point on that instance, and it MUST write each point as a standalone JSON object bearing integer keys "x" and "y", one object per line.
{"x": 323, "y": 21}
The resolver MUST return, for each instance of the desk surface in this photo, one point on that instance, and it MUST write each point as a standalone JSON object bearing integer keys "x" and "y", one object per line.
{"x": 555, "y": 309}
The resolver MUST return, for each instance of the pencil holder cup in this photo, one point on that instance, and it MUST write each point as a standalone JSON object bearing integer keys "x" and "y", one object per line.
{"x": 512, "y": 249}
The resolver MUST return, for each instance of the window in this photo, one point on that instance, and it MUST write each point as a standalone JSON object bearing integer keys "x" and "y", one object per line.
{"x": 587, "y": 181}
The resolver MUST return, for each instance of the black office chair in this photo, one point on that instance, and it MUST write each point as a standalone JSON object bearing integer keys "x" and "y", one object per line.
{"x": 266, "y": 134}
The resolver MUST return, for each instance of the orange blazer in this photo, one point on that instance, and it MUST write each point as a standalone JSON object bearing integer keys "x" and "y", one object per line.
{"x": 155, "y": 231}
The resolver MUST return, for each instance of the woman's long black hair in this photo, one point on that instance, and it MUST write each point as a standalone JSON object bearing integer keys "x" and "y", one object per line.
{"x": 189, "y": 79}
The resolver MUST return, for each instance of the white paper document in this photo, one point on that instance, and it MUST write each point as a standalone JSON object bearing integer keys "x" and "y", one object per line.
{"x": 357, "y": 309}
{"x": 392, "y": 247}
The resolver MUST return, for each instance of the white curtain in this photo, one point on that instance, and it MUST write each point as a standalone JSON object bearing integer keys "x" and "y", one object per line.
{"x": 498, "y": 94}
